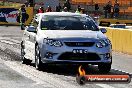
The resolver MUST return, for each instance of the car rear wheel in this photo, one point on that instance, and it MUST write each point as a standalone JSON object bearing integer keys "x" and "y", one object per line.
{"x": 23, "y": 59}
{"x": 38, "y": 62}
{"x": 104, "y": 68}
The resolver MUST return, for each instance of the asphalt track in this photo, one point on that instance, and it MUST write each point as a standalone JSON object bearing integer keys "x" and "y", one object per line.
{"x": 13, "y": 74}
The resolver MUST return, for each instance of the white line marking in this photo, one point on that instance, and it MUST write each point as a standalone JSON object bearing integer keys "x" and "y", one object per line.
{"x": 7, "y": 42}
{"x": 121, "y": 71}
{"x": 104, "y": 86}
{"x": 108, "y": 86}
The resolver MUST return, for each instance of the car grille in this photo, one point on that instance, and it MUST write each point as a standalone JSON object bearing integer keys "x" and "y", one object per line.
{"x": 79, "y": 44}
{"x": 79, "y": 56}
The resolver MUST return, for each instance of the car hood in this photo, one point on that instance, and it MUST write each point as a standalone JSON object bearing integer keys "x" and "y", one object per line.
{"x": 72, "y": 34}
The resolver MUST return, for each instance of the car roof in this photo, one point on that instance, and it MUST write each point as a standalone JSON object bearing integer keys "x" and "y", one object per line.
{"x": 62, "y": 14}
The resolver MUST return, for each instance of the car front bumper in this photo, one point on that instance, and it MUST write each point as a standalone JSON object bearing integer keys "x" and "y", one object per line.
{"x": 64, "y": 54}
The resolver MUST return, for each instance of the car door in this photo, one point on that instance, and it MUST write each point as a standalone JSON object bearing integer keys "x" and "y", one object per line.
{"x": 32, "y": 39}
{"x": 26, "y": 43}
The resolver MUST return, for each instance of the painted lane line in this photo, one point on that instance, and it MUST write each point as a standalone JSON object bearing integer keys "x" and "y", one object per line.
{"x": 7, "y": 42}
{"x": 10, "y": 40}
{"x": 104, "y": 86}
{"x": 108, "y": 86}
{"x": 121, "y": 71}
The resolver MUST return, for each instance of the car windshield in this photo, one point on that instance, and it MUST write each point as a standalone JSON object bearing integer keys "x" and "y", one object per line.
{"x": 68, "y": 23}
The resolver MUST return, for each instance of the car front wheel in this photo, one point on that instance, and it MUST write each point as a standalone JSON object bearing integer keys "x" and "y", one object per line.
{"x": 38, "y": 62}
{"x": 23, "y": 59}
{"x": 104, "y": 68}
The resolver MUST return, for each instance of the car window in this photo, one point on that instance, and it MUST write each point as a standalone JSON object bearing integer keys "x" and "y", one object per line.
{"x": 68, "y": 23}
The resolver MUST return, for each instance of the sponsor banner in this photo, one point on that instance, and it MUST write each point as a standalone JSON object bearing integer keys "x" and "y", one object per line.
{"x": 9, "y": 15}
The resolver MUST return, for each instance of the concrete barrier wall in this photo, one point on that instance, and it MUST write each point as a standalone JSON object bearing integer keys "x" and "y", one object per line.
{"x": 114, "y": 21}
{"x": 121, "y": 39}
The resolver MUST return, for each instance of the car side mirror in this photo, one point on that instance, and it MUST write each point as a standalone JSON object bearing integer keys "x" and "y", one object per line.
{"x": 31, "y": 29}
{"x": 103, "y": 30}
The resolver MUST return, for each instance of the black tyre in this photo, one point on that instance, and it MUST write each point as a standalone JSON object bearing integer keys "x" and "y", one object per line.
{"x": 104, "y": 67}
{"x": 38, "y": 62}
{"x": 23, "y": 59}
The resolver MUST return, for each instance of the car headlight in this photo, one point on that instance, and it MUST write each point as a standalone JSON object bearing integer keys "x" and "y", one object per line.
{"x": 103, "y": 43}
{"x": 107, "y": 41}
{"x": 52, "y": 42}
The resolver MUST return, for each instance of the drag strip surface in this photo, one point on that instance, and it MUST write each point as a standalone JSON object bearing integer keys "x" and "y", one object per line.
{"x": 54, "y": 76}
